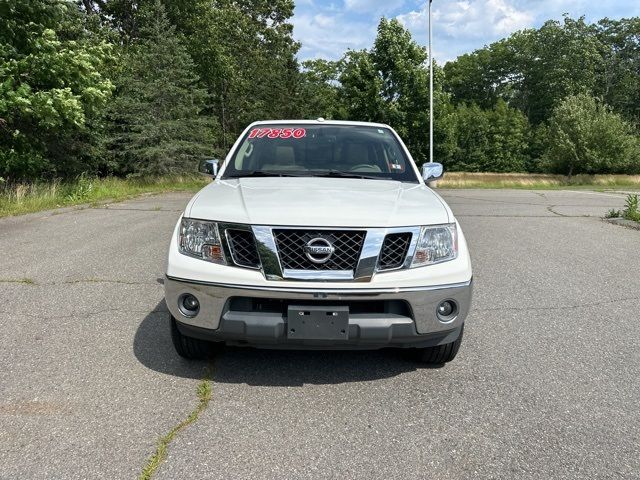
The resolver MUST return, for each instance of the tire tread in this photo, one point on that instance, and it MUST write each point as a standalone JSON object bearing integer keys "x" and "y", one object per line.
{"x": 187, "y": 347}
{"x": 440, "y": 354}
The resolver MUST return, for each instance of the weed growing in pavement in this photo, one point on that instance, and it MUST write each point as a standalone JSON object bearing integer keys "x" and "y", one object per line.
{"x": 631, "y": 211}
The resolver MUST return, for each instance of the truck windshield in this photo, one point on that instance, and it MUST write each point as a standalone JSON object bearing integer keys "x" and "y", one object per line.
{"x": 304, "y": 150}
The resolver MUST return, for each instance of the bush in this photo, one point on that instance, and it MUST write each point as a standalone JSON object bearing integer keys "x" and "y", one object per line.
{"x": 586, "y": 136}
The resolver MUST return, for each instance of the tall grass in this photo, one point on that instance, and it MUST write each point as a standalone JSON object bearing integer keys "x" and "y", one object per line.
{"x": 536, "y": 181}
{"x": 25, "y": 198}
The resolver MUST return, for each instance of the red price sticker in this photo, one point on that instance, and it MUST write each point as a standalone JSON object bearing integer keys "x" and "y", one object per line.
{"x": 274, "y": 133}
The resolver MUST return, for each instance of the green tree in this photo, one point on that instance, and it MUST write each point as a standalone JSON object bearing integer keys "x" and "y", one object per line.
{"x": 319, "y": 90}
{"x": 472, "y": 78}
{"x": 533, "y": 70}
{"x": 558, "y": 60}
{"x": 619, "y": 73}
{"x": 538, "y": 142}
{"x": 53, "y": 89}
{"x": 360, "y": 87}
{"x": 495, "y": 140}
{"x": 245, "y": 55}
{"x": 585, "y": 136}
{"x": 390, "y": 84}
{"x": 509, "y": 136}
{"x": 472, "y": 138}
{"x": 155, "y": 118}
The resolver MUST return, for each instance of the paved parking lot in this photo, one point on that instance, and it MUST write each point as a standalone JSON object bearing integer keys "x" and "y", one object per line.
{"x": 546, "y": 385}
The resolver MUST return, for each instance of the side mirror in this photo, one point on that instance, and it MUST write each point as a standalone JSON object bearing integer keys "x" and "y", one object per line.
{"x": 432, "y": 172}
{"x": 210, "y": 167}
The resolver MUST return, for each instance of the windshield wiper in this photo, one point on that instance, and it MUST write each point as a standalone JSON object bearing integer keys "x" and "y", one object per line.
{"x": 261, "y": 173}
{"x": 323, "y": 173}
{"x": 340, "y": 174}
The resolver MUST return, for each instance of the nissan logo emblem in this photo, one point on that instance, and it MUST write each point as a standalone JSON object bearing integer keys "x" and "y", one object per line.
{"x": 319, "y": 250}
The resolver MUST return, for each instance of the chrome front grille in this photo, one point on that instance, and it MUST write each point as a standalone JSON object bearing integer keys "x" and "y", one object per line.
{"x": 347, "y": 245}
{"x": 242, "y": 245}
{"x": 318, "y": 254}
{"x": 394, "y": 250}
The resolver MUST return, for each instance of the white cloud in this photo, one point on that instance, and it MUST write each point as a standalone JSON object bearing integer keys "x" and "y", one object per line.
{"x": 324, "y": 21}
{"x": 459, "y": 24}
{"x": 373, "y": 6}
{"x": 327, "y": 28}
{"x": 475, "y": 18}
{"x": 472, "y": 18}
{"x": 330, "y": 35}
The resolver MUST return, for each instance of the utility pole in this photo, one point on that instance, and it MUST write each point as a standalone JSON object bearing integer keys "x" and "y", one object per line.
{"x": 430, "y": 87}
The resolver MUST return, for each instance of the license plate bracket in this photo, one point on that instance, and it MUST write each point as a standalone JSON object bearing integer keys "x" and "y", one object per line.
{"x": 312, "y": 322}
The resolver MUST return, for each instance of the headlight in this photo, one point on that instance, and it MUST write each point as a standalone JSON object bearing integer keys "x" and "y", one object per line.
{"x": 436, "y": 244}
{"x": 202, "y": 240}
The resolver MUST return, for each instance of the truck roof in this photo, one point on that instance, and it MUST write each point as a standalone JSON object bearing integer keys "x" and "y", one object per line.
{"x": 320, "y": 121}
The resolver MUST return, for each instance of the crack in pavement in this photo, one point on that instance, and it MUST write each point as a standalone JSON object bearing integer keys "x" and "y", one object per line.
{"x": 550, "y": 209}
{"x": 498, "y": 201}
{"x": 513, "y": 203}
{"x": 203, "y": 391}
{"x": 23, "y": 281}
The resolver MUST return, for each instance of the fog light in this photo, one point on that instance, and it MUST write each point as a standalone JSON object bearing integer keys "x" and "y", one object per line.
{"x": 447, "y": 310}
{"x": 189, "y": 305}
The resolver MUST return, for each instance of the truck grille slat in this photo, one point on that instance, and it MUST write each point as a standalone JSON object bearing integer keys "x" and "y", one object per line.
{"x": 394, "y": 250}
{"x": 347, "y": 244}
{"x": 243, "y": 248}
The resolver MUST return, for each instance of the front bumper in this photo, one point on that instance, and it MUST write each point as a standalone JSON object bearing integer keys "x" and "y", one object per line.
{"x": 414, "y": 326}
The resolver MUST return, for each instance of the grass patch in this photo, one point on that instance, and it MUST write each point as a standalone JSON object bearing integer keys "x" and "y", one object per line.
{"x": 204, "y": 396}
{"x": 27, "y": 198}
{"x": 536, "y": 181}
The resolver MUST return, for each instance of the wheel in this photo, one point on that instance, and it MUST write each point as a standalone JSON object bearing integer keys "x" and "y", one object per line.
{"x": 440, "y": 354}
{"x": 192, "y": 348}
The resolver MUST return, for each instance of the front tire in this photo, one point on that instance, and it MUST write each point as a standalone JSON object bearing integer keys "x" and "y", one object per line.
{"x": 191, "y": 348}
{"x": 440, "y": 354}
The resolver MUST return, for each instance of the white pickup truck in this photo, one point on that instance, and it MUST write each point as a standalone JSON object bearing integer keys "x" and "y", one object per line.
{"x": 319, "y": 235}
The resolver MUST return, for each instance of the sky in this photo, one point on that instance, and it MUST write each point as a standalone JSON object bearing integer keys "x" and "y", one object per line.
{"x": 327, "y": 28}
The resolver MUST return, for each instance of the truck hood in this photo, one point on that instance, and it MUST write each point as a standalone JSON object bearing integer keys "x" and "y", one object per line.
{"x": 319, "y": 202}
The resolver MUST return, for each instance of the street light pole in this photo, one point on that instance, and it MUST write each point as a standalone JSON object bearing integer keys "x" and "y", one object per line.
{"x": 430, "y": 88}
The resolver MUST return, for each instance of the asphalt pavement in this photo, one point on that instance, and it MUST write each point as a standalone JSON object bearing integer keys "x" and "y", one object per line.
{"x": 546, "y": 384}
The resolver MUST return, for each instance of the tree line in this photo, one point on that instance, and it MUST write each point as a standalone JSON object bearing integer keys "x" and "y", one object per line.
{"x": 150, "y": 87}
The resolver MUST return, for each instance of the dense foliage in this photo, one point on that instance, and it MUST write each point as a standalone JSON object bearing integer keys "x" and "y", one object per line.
{"x": 156, "y": 125}
{"x": 139, "y": 87}
{"x": 587, "y": 137}
{"x": 53, "y": 89}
